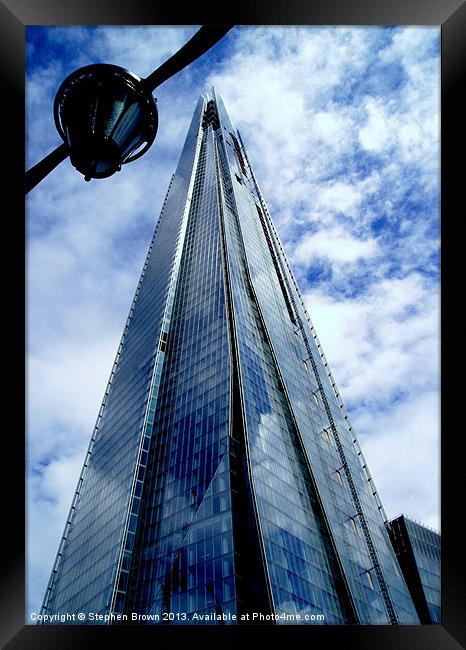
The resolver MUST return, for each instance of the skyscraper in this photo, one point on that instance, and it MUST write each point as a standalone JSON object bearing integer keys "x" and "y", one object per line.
{"x": 223, "y": 478}
{"x": 418, "y": 551}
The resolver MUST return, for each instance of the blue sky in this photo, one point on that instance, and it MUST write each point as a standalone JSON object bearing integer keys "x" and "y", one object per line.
{"x": 342, "y": 129}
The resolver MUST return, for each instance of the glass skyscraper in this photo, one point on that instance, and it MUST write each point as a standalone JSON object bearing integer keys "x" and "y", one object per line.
{"x": 223, "y": 482}
{"x": 418, "y": 551}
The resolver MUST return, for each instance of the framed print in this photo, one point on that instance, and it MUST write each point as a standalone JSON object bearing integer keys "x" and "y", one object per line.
{"x": 221, "y": 439}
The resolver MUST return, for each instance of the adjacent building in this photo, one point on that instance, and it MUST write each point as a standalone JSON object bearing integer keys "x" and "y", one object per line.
{"x": 224, "y": 478}
{"x": 418, "y": 551}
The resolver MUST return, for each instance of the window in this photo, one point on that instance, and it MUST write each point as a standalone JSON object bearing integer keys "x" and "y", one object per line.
{"x": 163, "y": 341}
{"x": 369, "y": 580}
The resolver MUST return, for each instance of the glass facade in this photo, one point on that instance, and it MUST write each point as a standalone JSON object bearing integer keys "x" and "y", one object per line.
{"x": 418, "y": 550}
{"x": 223, "y": 476}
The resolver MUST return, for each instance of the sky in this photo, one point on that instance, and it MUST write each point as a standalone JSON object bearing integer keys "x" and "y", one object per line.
{"x": 341, "y": 125}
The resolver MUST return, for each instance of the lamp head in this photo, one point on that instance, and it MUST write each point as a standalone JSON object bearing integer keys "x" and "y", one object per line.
{"x": 106, "y": 117}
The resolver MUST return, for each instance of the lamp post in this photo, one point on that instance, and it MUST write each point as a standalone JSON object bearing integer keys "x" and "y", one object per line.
{"x": 107, "y": 116}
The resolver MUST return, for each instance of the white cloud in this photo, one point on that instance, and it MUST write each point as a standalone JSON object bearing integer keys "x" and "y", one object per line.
{"x": 334, "y": 129}
{"x": 375, "y": 135}
{"x": 402, "y": 449}
{"x": 335, "y": 245}
{"x": 62, "y": 399}
{"x": 383, "y": 343}
{"x": 50, "y": 496}
{"x": 339, "y": 197}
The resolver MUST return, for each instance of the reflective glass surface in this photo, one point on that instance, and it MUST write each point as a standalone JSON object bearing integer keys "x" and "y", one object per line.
{"x": 425, "y": 546}
{"x": 184, "y": 559}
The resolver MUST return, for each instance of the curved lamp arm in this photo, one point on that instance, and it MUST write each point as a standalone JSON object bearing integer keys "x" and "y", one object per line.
{"x": 202, "y": 41}
{"x": 45, "y": 166}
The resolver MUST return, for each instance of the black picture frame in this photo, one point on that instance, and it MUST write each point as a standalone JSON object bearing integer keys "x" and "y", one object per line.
{"x": 15, "y": 15}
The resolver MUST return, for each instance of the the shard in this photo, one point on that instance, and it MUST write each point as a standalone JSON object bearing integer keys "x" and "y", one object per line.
{"x": 223, "y": 478}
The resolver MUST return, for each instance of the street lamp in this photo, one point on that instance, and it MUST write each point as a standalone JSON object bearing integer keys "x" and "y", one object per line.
{"x": 106, "y": 115}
